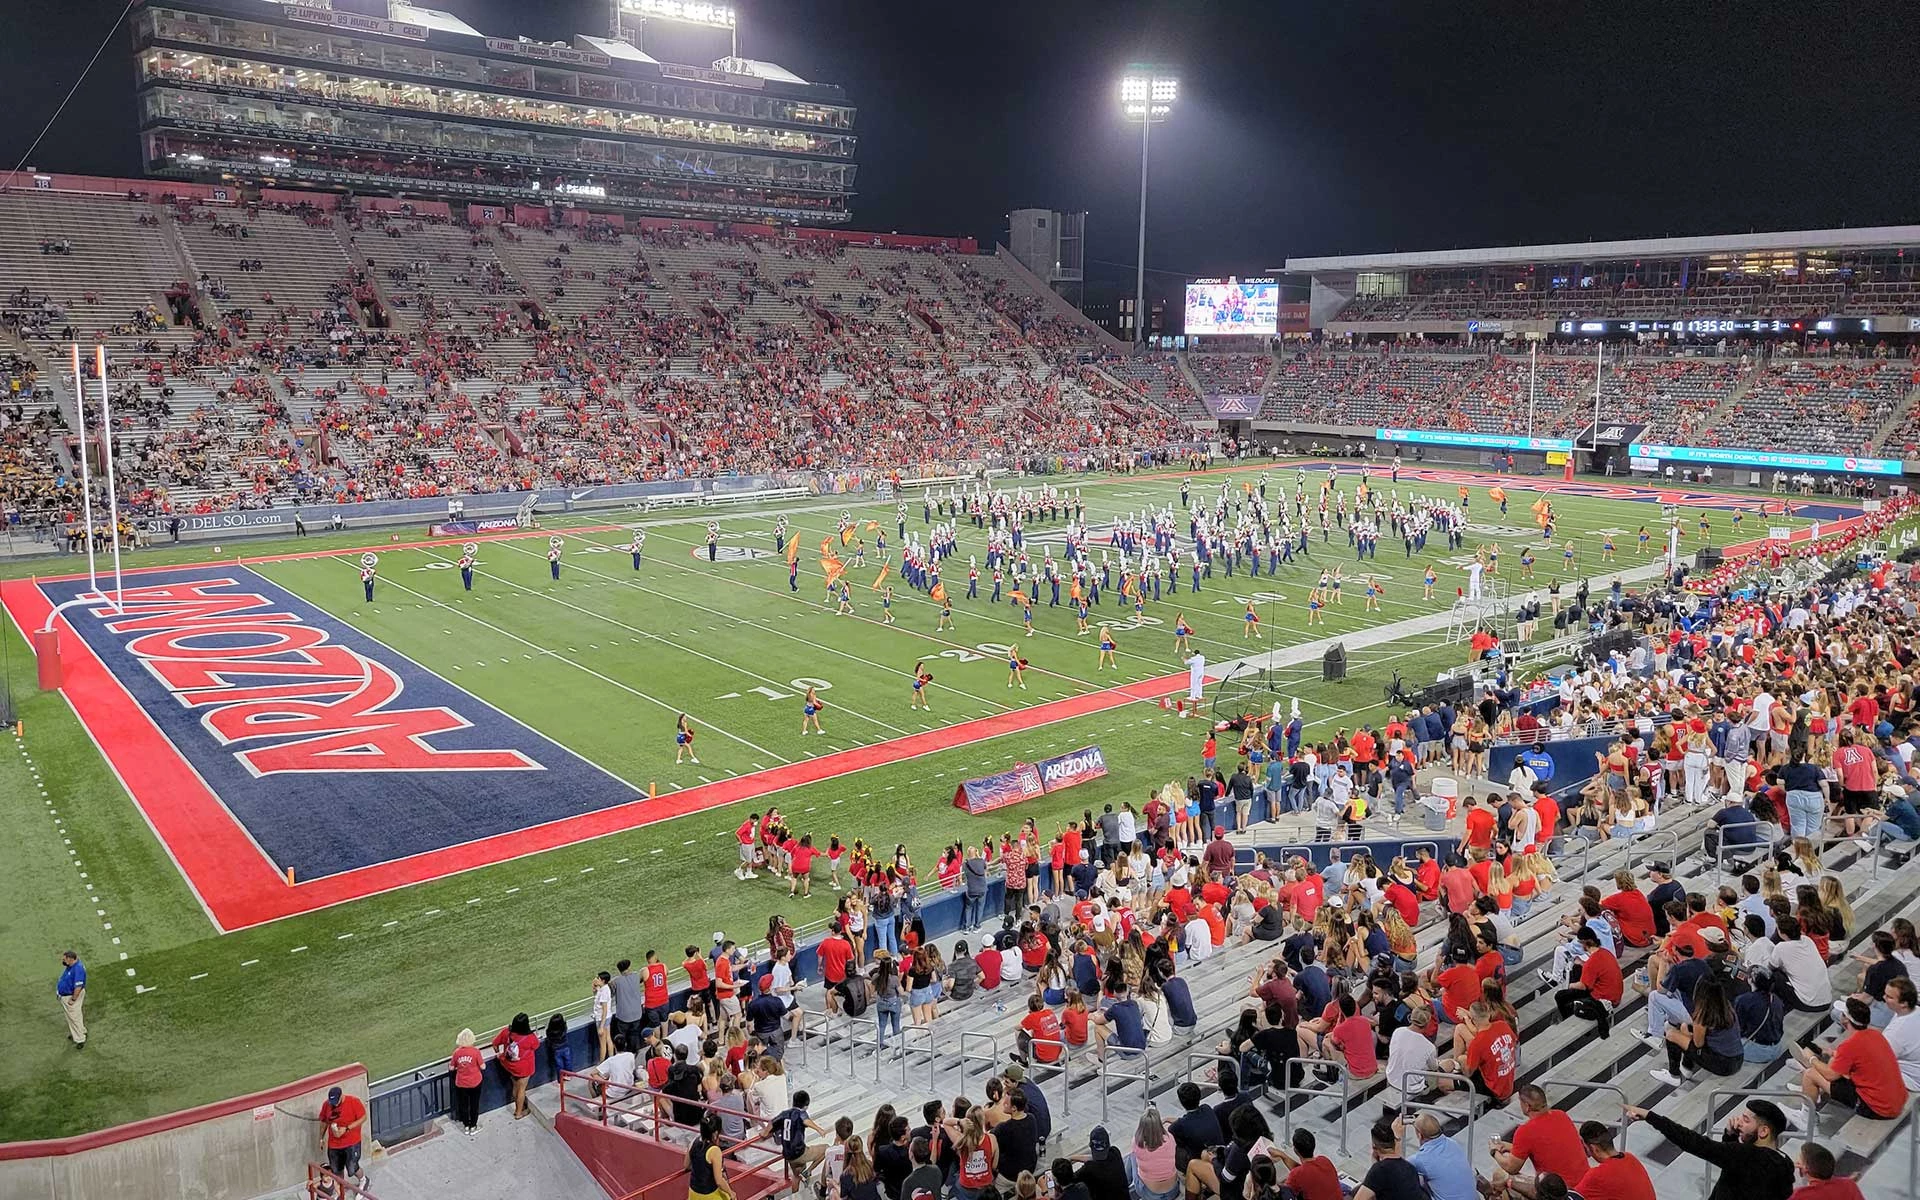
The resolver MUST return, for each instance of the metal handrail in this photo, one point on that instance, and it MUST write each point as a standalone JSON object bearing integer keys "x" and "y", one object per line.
{"x": 991, "y": 1058}
{"x": 931, "y": 1049}
{"x": 1063, "y": 1066}
{"x": 1713, "y": 1103}
{"x": 805, "y": 1042}
{"x": 1289, "y": 1089}
{"x": 1596, "y": 1086}
{"x": 1662, "y": 843}
{"x": 1195, "y": 1056}
{"x": 1106, "y": 1072}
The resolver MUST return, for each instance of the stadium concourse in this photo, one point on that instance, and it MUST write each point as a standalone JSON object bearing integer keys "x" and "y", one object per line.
{"x": 1672, "y": 893}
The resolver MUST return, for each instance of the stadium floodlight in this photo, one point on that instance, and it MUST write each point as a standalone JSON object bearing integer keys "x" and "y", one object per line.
{"x": 1146, "y": 95}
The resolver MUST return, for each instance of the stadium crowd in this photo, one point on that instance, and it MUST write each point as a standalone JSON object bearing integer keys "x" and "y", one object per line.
{"x": 1789, "y": 723}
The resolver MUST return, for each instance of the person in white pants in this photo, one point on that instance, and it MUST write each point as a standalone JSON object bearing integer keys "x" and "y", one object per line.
{"x": 1697, "y": 760}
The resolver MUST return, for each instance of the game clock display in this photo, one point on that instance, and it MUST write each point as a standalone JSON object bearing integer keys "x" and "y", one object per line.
{"x": 1714, "y": 326}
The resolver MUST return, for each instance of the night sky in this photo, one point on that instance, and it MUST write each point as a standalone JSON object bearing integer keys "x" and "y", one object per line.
{"x": 1301, "y": 129}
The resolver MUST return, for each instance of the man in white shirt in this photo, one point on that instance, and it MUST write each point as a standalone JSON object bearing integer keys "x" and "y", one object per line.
{"x": 1129, "y": 825}
{"x": 686, "y": 1033}
{"x": 1903, "y": 1032}
{"x": 615, "y": 1074}
{"x": 1795, "y": 957}
{"x": 1409, "y": 1049}
{"x": 1196, "y": 939}
{"x": 1762, "y": 713}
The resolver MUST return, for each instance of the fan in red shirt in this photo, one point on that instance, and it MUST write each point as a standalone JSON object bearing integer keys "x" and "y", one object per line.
{"x": 1480, "y": 823}
{"x": 1615, "y": 1174}
{"x": 1546, "y": 1140}
{"x": 1399, "y": 893}
{"x": 653, "y": 985}
{"x": 1040, "y": 1026}
{"x": 1493, "y": 1053}
{"x": 343, "y": 1120}
{"x": 1630, "y": 908}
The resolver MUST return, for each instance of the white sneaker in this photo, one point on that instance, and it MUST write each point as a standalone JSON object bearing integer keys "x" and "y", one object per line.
{"x": 1654, "y": 1040}
{"x": 1667, "y": 1077}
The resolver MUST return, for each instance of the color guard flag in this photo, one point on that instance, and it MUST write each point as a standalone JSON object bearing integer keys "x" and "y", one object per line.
{"x": 879, "y": 579}
{"x": 793, "y": 551}
{"x": 846, "y": 536}
{"x": 939, "y": 593}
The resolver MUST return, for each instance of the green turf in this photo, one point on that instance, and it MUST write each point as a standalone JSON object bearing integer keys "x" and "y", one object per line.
{"x": 602, "y": 663}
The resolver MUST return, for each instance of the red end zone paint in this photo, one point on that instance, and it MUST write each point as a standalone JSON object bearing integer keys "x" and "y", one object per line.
{"x": 239, "y": 887}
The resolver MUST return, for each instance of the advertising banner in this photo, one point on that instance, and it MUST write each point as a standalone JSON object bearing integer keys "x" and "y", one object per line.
{"x": 464, "y": 528}
{"x": 1716, "y": 456}
{"x": 989, "y": 792}
{"x": 1070, "y": 769}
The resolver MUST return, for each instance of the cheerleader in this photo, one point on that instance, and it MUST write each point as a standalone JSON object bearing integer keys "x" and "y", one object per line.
{"x": 1338, "y": 580}
{"x": 1026, "y": 618}
{"x": 1250, "y": 624}
{"x": 1606, "y": 547}
{"x": 1080, "y": 614}
{"x": 1427, "y": 580}
{"x": 468, "y": 553}
{"x": 683, "y": 741}
{"x": 1566, "y": 557}
{"x": 1526, "y": 563}
{"x": 1644, "y": 538}
{"x": 1106, "y": 650}
{"x": 836, "y": 850}
{"x": 1017, "y": 669}
{"x": 1181, "y": 633}
{"x": 921, "y": 678}
{"x": 1316, "y": 614}
{"x": 886, "y": 605}
{"x": 810, "y": 713}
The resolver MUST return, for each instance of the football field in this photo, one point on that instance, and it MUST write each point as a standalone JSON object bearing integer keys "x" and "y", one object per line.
{"x": 475, "y": 791}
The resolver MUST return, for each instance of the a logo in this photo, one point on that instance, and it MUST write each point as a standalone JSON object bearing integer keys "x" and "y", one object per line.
{"x": 331, "y": 751}
{"x": 1613, "y": 433}
{"x": 730, "y": 553}
{"x": 582, "y": 494}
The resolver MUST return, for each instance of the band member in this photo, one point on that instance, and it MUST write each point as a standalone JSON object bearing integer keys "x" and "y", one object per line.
{"x": 369, "y": 565}
{"x": 468, "y": 553}
{"x": 713, "y": 541}
{"x": 638, "y": 544}
{"x": 554, "y": 544}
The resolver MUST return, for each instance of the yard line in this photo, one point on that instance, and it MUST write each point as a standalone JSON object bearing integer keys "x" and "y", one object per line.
{"x": 196, "y": 978}
{"x": 252, "y": 962}
{"x": 656, "y": 637}
{"x": 579, "y": 666}
{"x": 764, "y": 628}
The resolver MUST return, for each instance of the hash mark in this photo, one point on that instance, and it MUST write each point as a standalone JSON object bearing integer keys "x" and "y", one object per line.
{"x": 296, "y": 950}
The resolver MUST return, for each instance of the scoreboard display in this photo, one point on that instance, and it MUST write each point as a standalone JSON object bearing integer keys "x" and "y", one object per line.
{"x": 1233, "y": 306}
{"x": 1713, "y": 327}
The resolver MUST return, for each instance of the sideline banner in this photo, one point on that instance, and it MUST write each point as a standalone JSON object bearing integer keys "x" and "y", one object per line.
{"x": 1025, "y": 781}
{"x": 463, "y": 528}
{"x": 1008, "y": 787}
{"x": 1070, "y": 769}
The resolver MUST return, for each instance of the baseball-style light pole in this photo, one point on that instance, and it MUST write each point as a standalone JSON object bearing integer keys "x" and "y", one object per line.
{"x": 1146, "y": 96}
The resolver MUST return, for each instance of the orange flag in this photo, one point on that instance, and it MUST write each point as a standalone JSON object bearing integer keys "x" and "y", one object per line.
{"x": 846, "y": 536}
{"x": 939, "y": 593}
{"x": 793, "y": 551}
{"x": 878, "y": 580}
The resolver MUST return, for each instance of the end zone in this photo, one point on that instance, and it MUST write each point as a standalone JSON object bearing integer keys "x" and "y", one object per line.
{"x": 255, "y": 732}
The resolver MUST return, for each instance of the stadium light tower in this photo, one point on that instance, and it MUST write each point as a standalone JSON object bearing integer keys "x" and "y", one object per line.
{"x": 1146, "y": 96}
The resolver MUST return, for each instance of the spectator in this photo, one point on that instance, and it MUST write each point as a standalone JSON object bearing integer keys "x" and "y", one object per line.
{"x": 1863, "y": 1073}
{"x": 1440, "y": 1161}
{"x": 1818, "y": 1168}
{"x": 1752, "y": 1165}
{"x": 467, "y": 1065}
{"x": 1391, "y": 1177}
{"x": 1546, "y": 1140}
{"x": 1615, "y": 1174}
{"x": 515, "y": 1049}
{"x": 1151, "y": 1172}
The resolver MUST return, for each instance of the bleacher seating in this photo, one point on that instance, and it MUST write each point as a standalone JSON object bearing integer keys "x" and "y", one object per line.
{"x": 266, "y": 354}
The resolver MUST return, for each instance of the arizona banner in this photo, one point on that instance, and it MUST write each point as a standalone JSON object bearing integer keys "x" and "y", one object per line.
{"x": 989, "y": 792}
